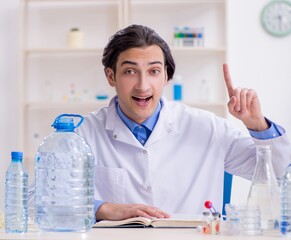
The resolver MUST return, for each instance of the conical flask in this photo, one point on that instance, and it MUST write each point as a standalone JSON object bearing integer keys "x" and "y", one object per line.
{"x": 264, "y": 190}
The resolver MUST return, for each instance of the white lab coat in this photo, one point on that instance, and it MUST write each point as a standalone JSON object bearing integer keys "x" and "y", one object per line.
{"x": 182, "y": 163}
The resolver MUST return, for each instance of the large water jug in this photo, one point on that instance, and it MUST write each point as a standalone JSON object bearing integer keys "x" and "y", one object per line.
{"x": 64, "y": 176}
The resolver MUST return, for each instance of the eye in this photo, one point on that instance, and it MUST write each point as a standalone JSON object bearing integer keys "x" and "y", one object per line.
{"x": 129, "y": 72}
{"x": 155, "y": 71}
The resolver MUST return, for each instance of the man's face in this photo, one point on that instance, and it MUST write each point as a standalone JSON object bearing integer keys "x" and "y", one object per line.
{"x": 139, "y": 81}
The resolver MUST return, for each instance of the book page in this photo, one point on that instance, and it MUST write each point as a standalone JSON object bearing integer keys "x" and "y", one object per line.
{"x": 176, "y": 220}
{"x": 126, "y": 222}
{"x": 179, "y": 221}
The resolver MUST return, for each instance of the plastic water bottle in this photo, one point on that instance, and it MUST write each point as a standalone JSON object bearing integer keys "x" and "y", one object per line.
{"x": 64, "y": 180}
{"x": 285, "y": 224}
{"x": 16, "y": 203}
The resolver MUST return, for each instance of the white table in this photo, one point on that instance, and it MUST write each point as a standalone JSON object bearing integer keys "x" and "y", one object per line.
{"x": 134, "y": 234}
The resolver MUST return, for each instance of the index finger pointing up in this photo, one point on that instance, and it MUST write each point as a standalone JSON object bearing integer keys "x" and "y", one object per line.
{"x": 227, "y": 79}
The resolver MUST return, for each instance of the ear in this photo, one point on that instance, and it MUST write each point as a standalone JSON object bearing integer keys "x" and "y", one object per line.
{"x": 110, "y": 76}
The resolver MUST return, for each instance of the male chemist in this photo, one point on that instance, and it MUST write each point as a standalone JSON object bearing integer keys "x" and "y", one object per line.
{"x": 154, "y": 158}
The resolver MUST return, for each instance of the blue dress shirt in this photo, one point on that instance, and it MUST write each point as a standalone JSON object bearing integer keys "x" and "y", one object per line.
{"x": 144, "y": 130}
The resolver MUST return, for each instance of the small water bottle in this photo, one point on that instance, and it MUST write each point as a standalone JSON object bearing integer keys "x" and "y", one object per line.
{"x": 64, "y": 180}
{"x": 285, "y": 225}
{"x": 16, "y": 198}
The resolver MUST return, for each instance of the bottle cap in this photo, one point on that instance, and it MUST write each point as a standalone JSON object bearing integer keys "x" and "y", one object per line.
{"x": 16, "y": 155}
{"x": 65, "y": 122}
{"x": 75, "y": 29}
{"x": 64, "y": 125}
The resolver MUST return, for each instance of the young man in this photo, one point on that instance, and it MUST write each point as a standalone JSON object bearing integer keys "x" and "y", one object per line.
{"x": 154, "y": 158}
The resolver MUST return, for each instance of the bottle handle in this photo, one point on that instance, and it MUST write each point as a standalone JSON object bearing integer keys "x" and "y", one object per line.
{"x": 69, "y": 115}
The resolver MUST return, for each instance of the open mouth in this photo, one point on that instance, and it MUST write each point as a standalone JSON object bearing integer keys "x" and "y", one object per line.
{"x": 142, "y": 99}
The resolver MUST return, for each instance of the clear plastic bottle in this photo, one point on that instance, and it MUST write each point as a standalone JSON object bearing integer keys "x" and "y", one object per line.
{"x": 16, "y": 198}
{"x": 64, "y": 177}
{"x": 285, "y": 225}
{"x": 264, "y": 190}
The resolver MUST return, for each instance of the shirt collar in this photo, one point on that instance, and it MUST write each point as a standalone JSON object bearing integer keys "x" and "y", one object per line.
{"x": 149, "y": 122}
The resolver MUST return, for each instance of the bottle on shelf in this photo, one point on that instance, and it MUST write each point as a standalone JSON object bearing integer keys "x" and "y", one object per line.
{"x": 203, "y": 91}
{"x": 64, "y": 179}
{"x": 264, "y": 190}
{"x": 75, "y": 38}
{"x": 178, "y": 37}
{"x": 48, "y": 90}
{"x": 16, "y": 195}
{"x": 200, "y": 37}
{"x": 285, "y": 224}
{"x": 188, "y": 39}
{"x": 178, "y": 88}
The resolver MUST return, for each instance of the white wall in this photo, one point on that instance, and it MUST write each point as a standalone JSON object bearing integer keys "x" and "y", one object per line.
{"x": 8, "y": 87}
{"x": 256, "y": 60}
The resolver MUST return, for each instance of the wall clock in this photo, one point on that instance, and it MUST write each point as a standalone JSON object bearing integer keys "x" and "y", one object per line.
{"x": 276, "y": 18}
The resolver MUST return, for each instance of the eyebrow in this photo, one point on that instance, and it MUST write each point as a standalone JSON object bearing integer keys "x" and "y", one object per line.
{"x": 134, "y": 63}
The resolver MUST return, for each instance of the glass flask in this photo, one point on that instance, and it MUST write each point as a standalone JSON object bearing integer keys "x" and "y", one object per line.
{"x": 264, "y": 190}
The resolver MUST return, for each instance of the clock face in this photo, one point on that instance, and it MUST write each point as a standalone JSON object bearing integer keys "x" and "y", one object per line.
{"x": 276, "y": 18}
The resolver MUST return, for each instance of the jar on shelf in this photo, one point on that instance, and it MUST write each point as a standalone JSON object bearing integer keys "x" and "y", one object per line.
{"x": 75, "y": 38}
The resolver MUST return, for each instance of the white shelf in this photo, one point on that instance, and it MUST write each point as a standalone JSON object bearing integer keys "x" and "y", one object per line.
{"x": 198, "y": 50}
{"x": 63, "y": 50}
{"x": 65, "y": 105}
{"x": 101, "y": 103}
{"x": 175, "y": 2}
{"x": 186, "y": 50}
{"x": 74, "y": 1}
{"x": 206, "y": 104}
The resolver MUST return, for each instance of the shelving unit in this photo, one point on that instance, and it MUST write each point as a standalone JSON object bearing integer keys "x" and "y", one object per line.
{"x": 56, "y": 79}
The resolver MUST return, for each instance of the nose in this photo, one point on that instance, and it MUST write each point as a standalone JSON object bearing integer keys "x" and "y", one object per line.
{"x": 142, "y": 82}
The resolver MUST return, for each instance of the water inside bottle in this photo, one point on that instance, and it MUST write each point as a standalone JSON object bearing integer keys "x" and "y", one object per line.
{"x": 64, "y": 201}
{"x": 269, "y": 199}
{"x": 64, "y": 186}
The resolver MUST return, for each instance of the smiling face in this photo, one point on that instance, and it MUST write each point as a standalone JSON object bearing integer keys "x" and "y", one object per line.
{"x": 139, "y": 81}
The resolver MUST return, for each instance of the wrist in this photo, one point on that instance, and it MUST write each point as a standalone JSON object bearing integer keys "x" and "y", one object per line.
{"x": 102, "y": 212}
{"x": 258, "y": 125}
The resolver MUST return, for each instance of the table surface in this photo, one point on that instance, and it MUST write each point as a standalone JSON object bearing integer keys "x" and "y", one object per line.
{"x": 133, "y": 234}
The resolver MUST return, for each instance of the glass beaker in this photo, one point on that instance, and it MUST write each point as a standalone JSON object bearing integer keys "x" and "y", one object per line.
{"x": 264, "y": 190}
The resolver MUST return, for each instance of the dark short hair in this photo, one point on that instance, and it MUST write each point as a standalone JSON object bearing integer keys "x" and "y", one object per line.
{"x": 136, "y": 36}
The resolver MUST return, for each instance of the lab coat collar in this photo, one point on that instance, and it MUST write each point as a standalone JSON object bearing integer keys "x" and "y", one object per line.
{"x": 120, "y": 132}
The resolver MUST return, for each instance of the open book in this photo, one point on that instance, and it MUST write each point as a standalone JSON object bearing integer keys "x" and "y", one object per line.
{"x": 176, "y": 221}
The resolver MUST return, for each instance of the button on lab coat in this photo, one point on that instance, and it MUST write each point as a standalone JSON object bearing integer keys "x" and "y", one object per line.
{"x": 181, "y": 165}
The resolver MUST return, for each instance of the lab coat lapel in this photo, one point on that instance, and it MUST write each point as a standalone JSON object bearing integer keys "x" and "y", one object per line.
{"x": 165, "y": 125}
{"x": 118, "y": 129}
